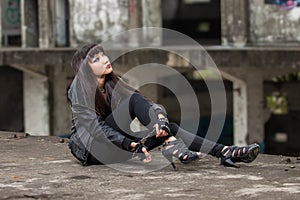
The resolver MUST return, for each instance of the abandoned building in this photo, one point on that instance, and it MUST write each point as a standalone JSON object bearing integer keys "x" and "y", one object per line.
{"x": 254, "y": 44}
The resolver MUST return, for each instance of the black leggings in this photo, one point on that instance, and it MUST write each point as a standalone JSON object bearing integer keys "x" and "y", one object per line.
{"x": 137, "y": 106}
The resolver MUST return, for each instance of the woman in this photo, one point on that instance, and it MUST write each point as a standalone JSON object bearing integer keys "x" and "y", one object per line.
{"x": 103, "y": 107}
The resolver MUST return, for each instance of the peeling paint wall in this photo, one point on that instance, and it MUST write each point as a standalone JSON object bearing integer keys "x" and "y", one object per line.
{"x": 152, "y": 13}
{"x": 269, "y": 24}
{"x": 234, "y": 26}
{"x": 95, "y": 21}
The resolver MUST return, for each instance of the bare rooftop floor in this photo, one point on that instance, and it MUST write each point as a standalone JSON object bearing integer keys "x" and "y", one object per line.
{"x": 43, "y": 168}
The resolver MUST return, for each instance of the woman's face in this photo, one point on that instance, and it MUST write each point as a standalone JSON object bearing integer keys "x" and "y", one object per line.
{"x": 100, "y": 64}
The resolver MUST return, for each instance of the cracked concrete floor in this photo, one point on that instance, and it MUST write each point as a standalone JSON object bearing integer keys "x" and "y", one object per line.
{"x": 43, "y": 168}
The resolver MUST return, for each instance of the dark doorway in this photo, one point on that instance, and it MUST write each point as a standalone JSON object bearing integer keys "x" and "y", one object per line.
{"x": 199, "y": 19}
{"x": 169, "y": 100}
{"x": 11, "y": 101}
{"x": 282, "y": 129}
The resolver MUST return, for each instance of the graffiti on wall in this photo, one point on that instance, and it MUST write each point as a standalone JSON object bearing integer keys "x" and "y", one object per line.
{"x": 11, "y": 15}
{"x": 284, "y": 4}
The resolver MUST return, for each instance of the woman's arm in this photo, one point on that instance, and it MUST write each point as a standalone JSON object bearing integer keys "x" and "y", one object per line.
{"x": 97, "y": 128}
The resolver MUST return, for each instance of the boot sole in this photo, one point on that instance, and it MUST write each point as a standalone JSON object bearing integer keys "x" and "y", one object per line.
{"x": 189, "y": 160}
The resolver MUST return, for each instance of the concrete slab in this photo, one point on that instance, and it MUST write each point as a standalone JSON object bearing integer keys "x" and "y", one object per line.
{"x": 284, "y": 58}
{"x": 43, "y": 168}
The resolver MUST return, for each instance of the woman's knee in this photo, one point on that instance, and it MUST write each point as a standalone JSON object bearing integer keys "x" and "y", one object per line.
{"x": 136, "y": 97}
{"x": 137, "y": 101}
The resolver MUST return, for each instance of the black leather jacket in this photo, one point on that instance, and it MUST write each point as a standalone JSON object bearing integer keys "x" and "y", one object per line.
{"x": 87, "y": 126}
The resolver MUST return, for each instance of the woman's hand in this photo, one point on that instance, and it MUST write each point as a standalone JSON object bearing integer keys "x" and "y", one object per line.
{"x": 143, "y": 150}
{"x": 148, "y": 157}
{"x": 162, "y": 126}
{"x": 160, "y": 132}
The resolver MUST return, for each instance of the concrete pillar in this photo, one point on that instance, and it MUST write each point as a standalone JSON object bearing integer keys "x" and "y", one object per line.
{"x": 240, "y": 111}
{"x": 59, "y": 80}
{"x": 145, "y": 13}
{"x": 61, "y": 19}
{"x": 240, "y": 116}
{"x": 152, "y": 17}
{"x": 36, "y": 107}
{"x": 247, "y": 104}
{"x": 254, "y": 80}
{"x": 29, "y": 23}
{"x": 135, "y": 20}
{"x": 135, "y": 14}
{"x": 46, "y": 24}
{"x": 234, "y": 22}
{"x": 72, "y": 35}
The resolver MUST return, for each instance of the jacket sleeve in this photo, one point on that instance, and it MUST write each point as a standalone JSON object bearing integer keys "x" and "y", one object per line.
{"x": 97, "y": 128}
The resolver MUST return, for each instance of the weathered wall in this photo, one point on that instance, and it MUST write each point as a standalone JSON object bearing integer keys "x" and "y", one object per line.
{"x": 269, "y": 24}
{"x": 46, "y": 24}
{"x": 234, "y": 22}
{"x": 152, "y": 13}
{"x": 152, "y": 17}
{"x": 29, "y": 23}
{"x": 94, "y": 20}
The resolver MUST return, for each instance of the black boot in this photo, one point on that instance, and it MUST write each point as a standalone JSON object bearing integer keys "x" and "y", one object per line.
{"x": 232, "y": 154}
{"x": 179, "y": 150}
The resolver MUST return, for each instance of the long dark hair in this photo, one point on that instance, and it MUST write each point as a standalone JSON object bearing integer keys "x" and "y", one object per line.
{"x": 102, "y": 100}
